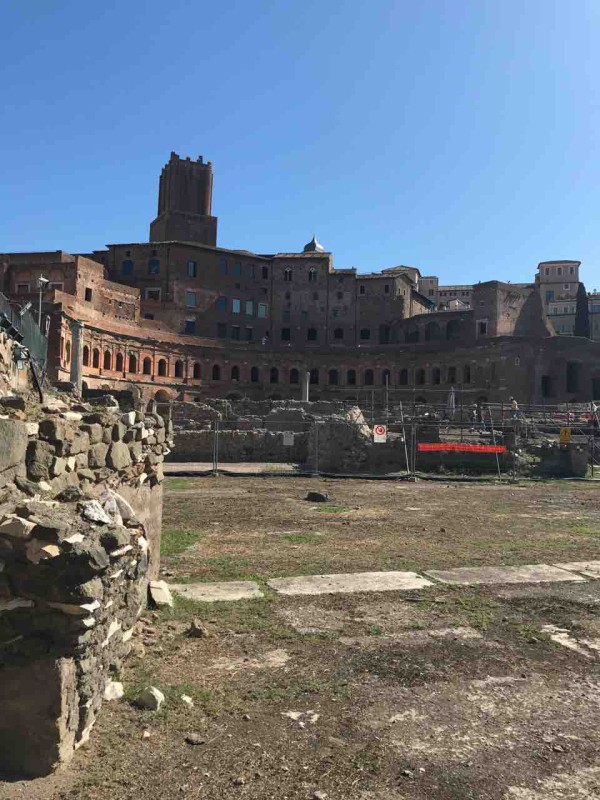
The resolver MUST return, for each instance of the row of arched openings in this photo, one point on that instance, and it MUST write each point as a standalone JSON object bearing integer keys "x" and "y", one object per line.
{"x": 117, "y": 363}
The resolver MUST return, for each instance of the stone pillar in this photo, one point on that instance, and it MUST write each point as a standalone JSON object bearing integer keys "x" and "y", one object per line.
{"x": 305, "y": 386}
{"x": 76, "y": 353}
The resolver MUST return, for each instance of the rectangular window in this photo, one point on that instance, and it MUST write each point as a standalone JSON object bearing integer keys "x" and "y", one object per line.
{"x": 223, "y": 266}
{"x": 304, "y": 314}
{"x": 285, "y": 315}
{"x": 237, "y": 269}
{"x": 190, "y": 299}
{"x": 571, "y": 270}
{"x": 221, "y": 330}
{"x": 191, "y": 269}
{"x": 386, "y": 288}
{"x": 235, "y": 332}
{"x": 265, "y": 273}
{"x": 559, "y": 270}
{"x": 566, "y": 285}
{"x": 153, "y": 294}
{"x": 549, "y": 295}
{"x": 190, "y": 326}
{"x": 22, "y": 288}
{"x": 57, "y": 286}
{"x": 249, "y": 334}
{"x": 221, "y": 303}
{"x": 285, "y": 335}
{"x": 251, "y": 271}
{"x": 547, "y": 270}
{"x": 482, "y": 326}
{"x": 361, "y": 289}
{"x": 249, "y": 307}
{"x": 262, "y": 310}
{"x": 88, "y": 295}
{"x": 235, "y": 305}
{"x": 154, "y": 266}
{"x": 148, "y": 316}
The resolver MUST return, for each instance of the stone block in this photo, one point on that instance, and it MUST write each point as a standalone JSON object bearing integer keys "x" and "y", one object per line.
{"x": 97, "y": 455}
{"x": 39, "y": 458}
{"x": 58, "y": 466}
{"x": 53, "y": 429}
{"x": 118, "y": 456}
{"x": 13, "y": 436}
{"x": 17, "y": 527}
{"x": 94, "y": 431}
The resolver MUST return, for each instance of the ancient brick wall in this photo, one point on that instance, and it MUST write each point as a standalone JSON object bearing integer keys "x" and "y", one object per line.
{"x": 80, "y": 502}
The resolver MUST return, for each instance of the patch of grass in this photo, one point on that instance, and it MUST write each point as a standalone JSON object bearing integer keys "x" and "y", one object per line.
{"x": 333, "y": 509}
{"x": 180, "y": 484}
{"x": 375, "y": 630}
{"x": 584, "y": 530}
{"x": 299, "y": 689}
{"x": 175, "y": 541}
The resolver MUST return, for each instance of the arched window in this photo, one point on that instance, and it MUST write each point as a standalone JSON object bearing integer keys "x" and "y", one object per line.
{"x": 432, "y": 332}
{"x": 235, "y": 373}
{"x": 147, "y": 366}
{"x": 197, "y": 371}
{"x": 68, "y": 352}
{"x": 351, "y": 377}
{"x": 466, "y": 373}
{"x": 294, "y": 375}
{"x": 254, "y": 375}
{"x": 287, "y": 274}
{"x": 420, "y": 377}
{"x": 368, "y": 377}
{"x": 365, "y": 334}
{"x": 453, "y": 329}
{"x": 216, "y": 372}
{"x": 436, "y": 376}
{"x": 451, "y": 374}
{"x": 403, "y": 377}
{"x": 95, "y": 358}
{"x": 179, "y": 369}
{"x": 107, "y": 362}
{"x": 311, "y": 334}
{"x": 314, "y": 375}
{"x": 338, "y": 333}
{"x": 132, "y": 364}
{"x": 386, "y": 377}
{"x": 312, "y": 275}
{"x": 162, "y": 368}
{"x": 86, "y": 355}
{"x": 127, "y": 267}
{"x": 274, "y": 375}
{"x": 119, "y": 362}
{"x": 333, "y": 377}
{"x": 412, "y": 335}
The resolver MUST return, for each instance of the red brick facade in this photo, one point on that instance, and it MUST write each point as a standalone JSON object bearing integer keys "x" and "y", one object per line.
{"x": 188, "y": 318}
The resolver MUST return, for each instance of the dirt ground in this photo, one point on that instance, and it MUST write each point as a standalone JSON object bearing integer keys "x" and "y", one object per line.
{"x": 448, "y": 693}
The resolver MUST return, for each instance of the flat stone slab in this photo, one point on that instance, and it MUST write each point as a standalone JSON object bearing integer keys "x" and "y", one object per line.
{"x": 348, "y": 583}
{"x": 214, "y": 592}
{"x": 528, "y": 573}
{"x": 591, "y": 569}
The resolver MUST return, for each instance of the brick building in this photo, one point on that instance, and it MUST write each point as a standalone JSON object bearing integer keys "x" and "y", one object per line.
{"x": 180, "y": 316}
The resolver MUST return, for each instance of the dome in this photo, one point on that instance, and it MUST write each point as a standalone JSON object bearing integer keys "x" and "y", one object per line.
{"x": 314, "y": 246}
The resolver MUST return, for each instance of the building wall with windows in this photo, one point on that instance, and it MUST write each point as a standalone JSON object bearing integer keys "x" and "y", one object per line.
{"x": 559, "y": 283}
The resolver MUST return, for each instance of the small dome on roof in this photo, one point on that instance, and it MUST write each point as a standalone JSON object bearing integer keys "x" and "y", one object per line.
{"x": 314, "y": 246}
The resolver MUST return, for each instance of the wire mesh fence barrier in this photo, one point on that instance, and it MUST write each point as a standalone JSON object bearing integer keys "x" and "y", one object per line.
{"x": 485, "y": 439}
{"x": 21, "y": 326}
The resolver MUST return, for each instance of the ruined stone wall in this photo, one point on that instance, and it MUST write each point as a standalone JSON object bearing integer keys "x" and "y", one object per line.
{"x": 80, "y": 500}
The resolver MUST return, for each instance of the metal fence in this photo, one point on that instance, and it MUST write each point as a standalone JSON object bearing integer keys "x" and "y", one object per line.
{"x": 24, "y": 323}
{"x": 488, "y": 439}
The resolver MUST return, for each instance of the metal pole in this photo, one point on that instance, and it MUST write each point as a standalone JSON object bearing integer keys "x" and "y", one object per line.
{"x": 316, "y": 448}
{"x": 40, "y": 307}
{"x": 494, "y": 441}
{"x": 404, "y": 437}
{"x": 387, "y": 398}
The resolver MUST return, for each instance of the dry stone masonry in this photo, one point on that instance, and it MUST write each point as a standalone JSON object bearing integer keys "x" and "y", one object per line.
{"x": 80, "y": 513}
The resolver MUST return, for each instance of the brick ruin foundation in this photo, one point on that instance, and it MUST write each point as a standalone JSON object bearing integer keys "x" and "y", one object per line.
{"x": 80, "y": 516}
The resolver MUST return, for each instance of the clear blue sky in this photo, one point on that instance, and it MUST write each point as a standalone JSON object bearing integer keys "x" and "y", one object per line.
{"x": 460, "y": 136}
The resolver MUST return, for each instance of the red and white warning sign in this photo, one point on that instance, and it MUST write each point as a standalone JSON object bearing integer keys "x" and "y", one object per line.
{"x": 379, "y": 433}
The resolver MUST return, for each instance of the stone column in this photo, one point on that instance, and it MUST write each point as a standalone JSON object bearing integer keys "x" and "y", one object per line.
{"x": 305, "y": 386}
{"x": 76, "y": 353}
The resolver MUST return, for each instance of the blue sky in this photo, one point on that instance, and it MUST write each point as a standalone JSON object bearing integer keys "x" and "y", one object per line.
{"x": 460, "y": 136}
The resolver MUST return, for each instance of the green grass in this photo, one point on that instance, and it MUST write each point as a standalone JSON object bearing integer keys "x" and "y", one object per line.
{"x": 179, "y": 484}
{"x": 175, "y": 541}
{"x": 333, "y": 509}
{"x": 584, "y": 530}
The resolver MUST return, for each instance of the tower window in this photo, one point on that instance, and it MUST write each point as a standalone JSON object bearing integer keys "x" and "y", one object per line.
{"x": 154, "y": 266}
{"x": 191, "y": 269}
{"x": 88, "y": 295}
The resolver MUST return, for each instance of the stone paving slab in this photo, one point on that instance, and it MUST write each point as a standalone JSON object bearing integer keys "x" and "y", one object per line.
{"x": 214, "y": 592}
{"x": 528, "y": 573}
{"x": 591, "y": 569}
{"x": 349, "y": 583}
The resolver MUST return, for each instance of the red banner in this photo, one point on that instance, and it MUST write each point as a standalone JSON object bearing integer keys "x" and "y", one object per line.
{"x": 459, "y": 447}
